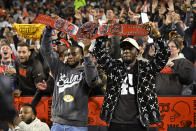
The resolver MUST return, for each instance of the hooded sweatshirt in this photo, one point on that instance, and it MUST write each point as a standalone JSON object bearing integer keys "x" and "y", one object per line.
{"x": 71, "y": 88}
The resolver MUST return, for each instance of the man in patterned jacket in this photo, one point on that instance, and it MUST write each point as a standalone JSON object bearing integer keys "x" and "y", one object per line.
{"x": 131, "y": 99}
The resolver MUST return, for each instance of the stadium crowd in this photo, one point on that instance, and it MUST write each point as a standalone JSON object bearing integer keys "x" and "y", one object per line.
{"x": 46, "y": 66}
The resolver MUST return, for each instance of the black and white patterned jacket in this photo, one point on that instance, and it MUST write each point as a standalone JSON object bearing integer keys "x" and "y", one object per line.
{"x": 145, "y": 72}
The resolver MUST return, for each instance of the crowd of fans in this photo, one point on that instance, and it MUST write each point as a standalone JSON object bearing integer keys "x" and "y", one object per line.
{"x": 22, "y": 60}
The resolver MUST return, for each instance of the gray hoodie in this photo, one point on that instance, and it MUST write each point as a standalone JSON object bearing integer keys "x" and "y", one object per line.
{"x": 72, "y": 85}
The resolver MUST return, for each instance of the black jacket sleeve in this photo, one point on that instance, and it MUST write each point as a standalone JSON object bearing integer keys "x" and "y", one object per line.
{"x": 184, "y": 69}
{"x": 7, "y": 111}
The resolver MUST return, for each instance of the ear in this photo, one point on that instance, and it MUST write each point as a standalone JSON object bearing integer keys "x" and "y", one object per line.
{"x": 29, "y": 53}
{"x": 138, "y": 55}
{"x": 33, "y": 116}
{"x": 80, "y": 56}
{"x": 139, "y": 52}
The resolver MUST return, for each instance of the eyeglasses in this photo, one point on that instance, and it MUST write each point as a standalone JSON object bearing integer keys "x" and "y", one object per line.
{"x": 172, "y": 46}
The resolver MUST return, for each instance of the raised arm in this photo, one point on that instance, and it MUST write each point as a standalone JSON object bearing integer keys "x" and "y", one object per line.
{"x": 47, "y": 51}
{"x": 91, "y": 73}
{"x": 161, "y": 56}
{"x": 102, "y": 56}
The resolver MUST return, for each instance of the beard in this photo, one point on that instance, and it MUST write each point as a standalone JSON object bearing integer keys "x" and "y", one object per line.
{"x": 74, "y": 65}
{"x": 128, "y": 61}
{"x": 29, "y": 121}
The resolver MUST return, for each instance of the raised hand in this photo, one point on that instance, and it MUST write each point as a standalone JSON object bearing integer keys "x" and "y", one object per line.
{"x": 152, "y": 50}
{"x": 154, "y": 30}
{"x": 171, "y": 5}
{"x": 176, "y": 17}
{"x": 87, "y": 43}
{"x": 54, "y": 16}
{"x": 187, "y": 3}
{"x": 168, "y": 18}
{"x": 78, "y": 15}
{"x": 42, "y": 85}
{"x": 154, "y": 5}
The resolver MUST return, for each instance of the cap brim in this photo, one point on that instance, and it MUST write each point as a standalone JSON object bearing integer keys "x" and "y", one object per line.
{"x": 125, "y": 43}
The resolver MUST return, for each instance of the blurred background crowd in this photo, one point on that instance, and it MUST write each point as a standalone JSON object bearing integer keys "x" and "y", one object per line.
{"x": 173, "y": 18}
{"x": 170, "y": 16}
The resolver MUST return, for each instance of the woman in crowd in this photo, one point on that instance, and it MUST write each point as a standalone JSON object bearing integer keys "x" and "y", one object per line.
{"x": 178, "y": 71}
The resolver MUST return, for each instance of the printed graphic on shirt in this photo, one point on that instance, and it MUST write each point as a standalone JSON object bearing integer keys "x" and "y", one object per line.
{"x": 2, "y": 69}
{"x": 68, "y": 98}
{"x": 127, "y": 85}
{"x": 68, "y": 82}
{"x": 23, "y": 72}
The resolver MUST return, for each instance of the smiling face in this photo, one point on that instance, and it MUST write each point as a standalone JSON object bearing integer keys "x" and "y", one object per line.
{"x": 74, "y": 56}
{"x": 109, "y": 14}
{"x": 6, "y": 51}
{"x": 23, "y": 54}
